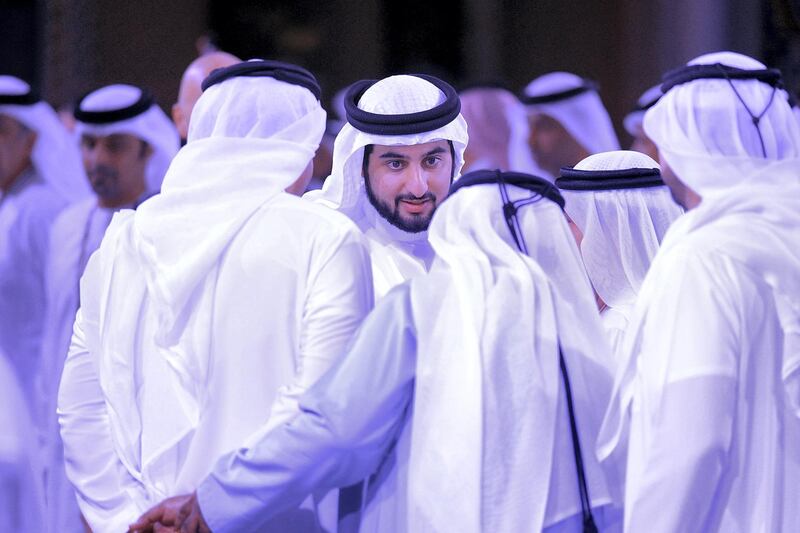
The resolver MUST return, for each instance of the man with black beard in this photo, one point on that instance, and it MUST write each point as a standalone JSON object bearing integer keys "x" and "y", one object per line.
{"x": 393, "y": 163}
{"x": 126, "y": 144}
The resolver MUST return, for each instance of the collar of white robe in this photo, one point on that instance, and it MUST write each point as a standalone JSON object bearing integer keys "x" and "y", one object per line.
{"x": 109, "y": 116}
{"x": 586, "y": 86}
{"x": 286, "y": 72}
{"x": 769, "y": 76}
{"x": 406, "y": 123}
{"x": 572, "y": 179}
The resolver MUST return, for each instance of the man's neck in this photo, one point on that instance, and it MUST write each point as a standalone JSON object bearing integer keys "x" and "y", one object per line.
{"x": 120, "y": 202}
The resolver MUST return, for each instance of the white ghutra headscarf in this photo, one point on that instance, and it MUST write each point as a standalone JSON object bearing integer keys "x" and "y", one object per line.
{"x": 622, "y": 228}
{"x": 152, "y": 126}
{"x": 584, "y": 116}
{"x": 488, "y": 425}
{"x": 55, "y": 155}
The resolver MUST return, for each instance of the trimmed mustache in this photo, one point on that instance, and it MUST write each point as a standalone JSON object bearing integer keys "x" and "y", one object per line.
{"x": 102, "y": 172}
{"x": 427, "y": 197}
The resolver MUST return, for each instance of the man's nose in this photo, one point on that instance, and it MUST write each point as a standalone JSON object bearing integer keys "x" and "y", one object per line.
{"x": 418, "y": 181}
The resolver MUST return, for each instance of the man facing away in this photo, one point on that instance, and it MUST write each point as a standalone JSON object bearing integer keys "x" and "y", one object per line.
{"x": 122, "y": 134}
{"x": 471, "y": 363}
{"x": 620, "y": 210}
{"x": 707, "y": 401}
{"x": 393, "y": 163}
{"x": 208, "y": 310}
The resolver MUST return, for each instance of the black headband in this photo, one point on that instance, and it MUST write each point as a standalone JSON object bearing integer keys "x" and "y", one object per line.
{"x": 279, "y": 70}
{"x": 769, "y": 76}
{"x": 29, "y": 98}
{"x": 586, "y": 86}
{"x": 718, "y": 71}
{"x": 607, "y": 180}
{"x": 144, "y": 103}
{"x": 532, "y": 183}
{"x": 404, "y": 124}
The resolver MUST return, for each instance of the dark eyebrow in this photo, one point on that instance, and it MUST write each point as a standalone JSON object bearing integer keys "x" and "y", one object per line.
{"x": 392, "y": 155}
{"x": 437, "y": 150}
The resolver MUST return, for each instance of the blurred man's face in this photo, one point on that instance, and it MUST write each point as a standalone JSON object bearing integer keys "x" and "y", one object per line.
{"x": 642, "y": 143}
{"x": 551, "y": 144}
{"x": 405, "y": 184}
{"x": 16, "y": 147}
{"x": 115, "y": 165}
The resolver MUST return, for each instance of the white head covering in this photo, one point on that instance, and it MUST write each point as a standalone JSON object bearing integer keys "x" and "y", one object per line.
{"x": 489, "y": 322}
{"x": 499, "y": 130}
{"x": 583, "y": 115}
{"x": 152, "y": 126}
{"x": 709, "y": 140}
{"x": 622, "y": 228}
{"x": 707, "y": 137}
{"x": 55, "y": 155}
{"x": 633, "y": 120}
{"x": 344, "y": 190}
{"x": 249, "y": 139}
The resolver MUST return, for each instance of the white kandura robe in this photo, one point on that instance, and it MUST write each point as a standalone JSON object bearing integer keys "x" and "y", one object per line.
{"x": 354, "y": 423}
{"x": 21, "y": 495}
{"x": 396, "y": 255}
{"x": 713, "y": 443}
{"x": 295, "y": 279}
{"x": 27, "y": 212}
{"x": 76, "y": 234}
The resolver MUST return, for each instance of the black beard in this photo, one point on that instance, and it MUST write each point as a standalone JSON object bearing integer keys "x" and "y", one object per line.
{"x": 417, "y": 224}
{"x": 104, "y": 181}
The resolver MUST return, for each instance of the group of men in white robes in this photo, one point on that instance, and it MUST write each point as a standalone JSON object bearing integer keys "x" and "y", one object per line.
{"x": 52, "y": 223}
{"x": 40, "y": 173}
{"x": 577, "y": 356}
{"x": 701, "y": 430}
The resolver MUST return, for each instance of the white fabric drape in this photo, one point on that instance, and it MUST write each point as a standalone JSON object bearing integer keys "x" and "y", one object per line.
{"x": 726, "y": 278}
{"x": 211, "y": 308}
{"x": 489, "y": 416}
{"x": 622, "y": 230}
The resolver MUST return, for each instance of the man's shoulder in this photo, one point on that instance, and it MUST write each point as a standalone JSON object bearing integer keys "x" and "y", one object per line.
{"x": 312, "y": 214}
{"x": 76, "y": 211}
{"x": 40, "y": 200}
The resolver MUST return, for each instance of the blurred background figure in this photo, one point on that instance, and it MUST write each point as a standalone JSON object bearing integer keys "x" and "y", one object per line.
{"x": 498, "y": 131}
{"x": 190, "y": 89}
{"x": 21, "y": 495}
{"x": 619, "y": 209}
{"x": 120, "y": 129}
{"x": 633, "y": 122}
{"x": 567, "y": 119}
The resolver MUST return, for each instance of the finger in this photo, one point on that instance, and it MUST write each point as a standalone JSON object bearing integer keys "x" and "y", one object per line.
{"x": 146, "y": 521}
